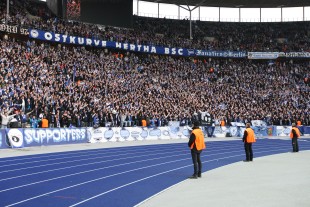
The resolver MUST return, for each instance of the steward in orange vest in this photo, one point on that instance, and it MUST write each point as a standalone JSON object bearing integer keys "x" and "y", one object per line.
{"x": 248, "y": 139}
{"x": 44, "y": 122}
{"x": 298, "y": 123}
{"x": 222, "y": 123}
{"x": 143, "y": 122}
{"x": 294, "y": 135}
{"x": 196, "y": 143}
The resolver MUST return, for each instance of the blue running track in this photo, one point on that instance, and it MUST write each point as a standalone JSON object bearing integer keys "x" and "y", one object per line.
{"x": 122, "y": 176}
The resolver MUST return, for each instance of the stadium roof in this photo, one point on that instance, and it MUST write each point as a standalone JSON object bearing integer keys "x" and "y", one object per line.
{"x": 238, "y": 3}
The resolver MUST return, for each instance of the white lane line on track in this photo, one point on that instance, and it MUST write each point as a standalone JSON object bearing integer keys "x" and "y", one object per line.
{"x": 90, "y": 181}
{"x": 132, "y": 151}
{"x": 78, "y": 152}
{"x": 72, "y": 161}
{"x": 111, "y": 176}
{"x": 24, "y": 175}
{"x": 64, "y": 176}
{"x": 90, "y": 158}
{"x": 69, "y": 167}
{"x": 136, "y": 181}
{"x": 89, "y": 152}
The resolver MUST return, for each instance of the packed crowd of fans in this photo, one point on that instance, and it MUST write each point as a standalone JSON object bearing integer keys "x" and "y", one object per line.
{"x": 77, "y": 86}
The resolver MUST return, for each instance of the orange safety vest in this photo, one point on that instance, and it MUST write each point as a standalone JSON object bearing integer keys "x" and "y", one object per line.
{"x": 297, "y": 132}
{"x": 44, "y": 123}
{"x": 199, "y": 139}
{"x": 298, "y": 123}
{"x": 143, "y": 122}
{"x": 222, "y": 123}
{"x": 251, "y": 137}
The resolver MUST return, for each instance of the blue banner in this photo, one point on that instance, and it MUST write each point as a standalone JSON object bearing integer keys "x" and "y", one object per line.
{"x": 61, "y": 38}
{"x": 304, "y": 129}
{"x": 28, "y": 137}
{"x": 52, "y": 136}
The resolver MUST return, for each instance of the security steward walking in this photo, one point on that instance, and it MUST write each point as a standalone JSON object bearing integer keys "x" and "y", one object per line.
{"x": 248, "y": 139}
{"x": 196, "y": 143}
{"x": 294, "y": 135}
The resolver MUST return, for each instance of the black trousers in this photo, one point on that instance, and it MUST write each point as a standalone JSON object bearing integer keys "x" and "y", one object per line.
{"x": 248, "y": 151}
{"x": 295, "y": 145}
{"x": 196, "y": 161}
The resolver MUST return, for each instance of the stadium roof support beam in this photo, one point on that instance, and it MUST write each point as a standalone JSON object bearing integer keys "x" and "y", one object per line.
{"x": 157, "y": 10}
{"x": 303, "y": 13}
{"x": 190, "y": 15}
{"x": 281, "y": 14}
{"x": 190, "y": 18}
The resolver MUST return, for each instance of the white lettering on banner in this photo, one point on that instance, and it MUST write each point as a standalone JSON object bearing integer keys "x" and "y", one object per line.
{"x": 36, "y": 138}
{"x": 41, "y": 135}
{"x": 80, "y": 40}
{"x": 14, "y": 29}
{"x": 146, "y": 48}
{"x": 88, "y": 41}
{"x": 104, "y": 43}
{"x": 153, "y": 50}
{"x": 48, "y": 36}
{"x": 73, "y": 135}
{"x": 139, "y": 47}
{"x": 294, "y": 54}
{"x": 82, "y": 134}
{"x": 49, "y": 135}
{"x": 67, "y": 132}
{"x": 53, "y": 135}
{"x": 118, "y": 45}
{"x": 220, "y": 54}
{"x": 56, "y": 136}
{"x": 28, "y": 136}
{"x": 72, "y": 40}
{"x": 97, "y": 42}
{"x": 63, "y": 135}
{"x": 173, "y": 51}
{"x": 64, "y": 38}
{"x": 8, "y": 28}
{"x": 166, "y": 50}
{"x": 125, "y": 46}
{"x": 2, "y": 27}
{"x": 132, "y": 47}
{"x": 180, "y": 51}
{"x": 57, "y": 37}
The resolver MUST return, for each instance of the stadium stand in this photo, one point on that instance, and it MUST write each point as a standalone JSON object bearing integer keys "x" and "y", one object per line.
{"x": 85, "y": 86}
